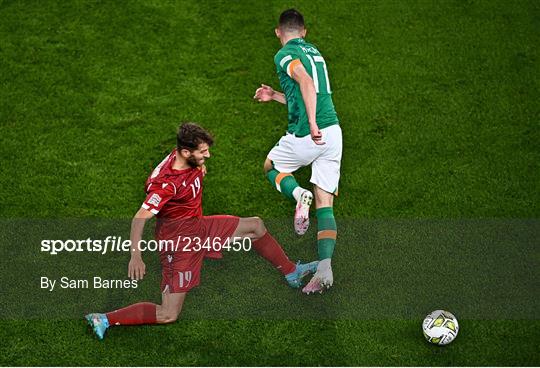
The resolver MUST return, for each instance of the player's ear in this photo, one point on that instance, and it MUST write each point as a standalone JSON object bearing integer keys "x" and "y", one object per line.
{"x": 185, "y": 153}
{"x": 278, "y": 32}
{"x": 303, "y": 33}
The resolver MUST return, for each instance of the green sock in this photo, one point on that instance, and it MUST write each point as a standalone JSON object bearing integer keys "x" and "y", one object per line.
{"x": 327, "y": 232}
{"x": 285, "y": 183}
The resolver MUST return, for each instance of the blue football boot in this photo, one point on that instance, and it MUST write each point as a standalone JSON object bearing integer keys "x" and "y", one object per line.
{"x": 99, "y": 323}
{"x": 294, "y": 279}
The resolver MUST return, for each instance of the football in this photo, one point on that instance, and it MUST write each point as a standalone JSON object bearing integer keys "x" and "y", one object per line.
{"x": 440, "y": 327}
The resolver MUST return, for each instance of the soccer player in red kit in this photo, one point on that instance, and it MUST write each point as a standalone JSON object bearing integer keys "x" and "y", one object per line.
{"x": 174, "y": 195}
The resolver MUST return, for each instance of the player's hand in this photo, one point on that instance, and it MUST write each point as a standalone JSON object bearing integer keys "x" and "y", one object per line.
{"x": 316, "y": 135}
{"x": 136, "y": 268}
{"x": 264, "y": 93}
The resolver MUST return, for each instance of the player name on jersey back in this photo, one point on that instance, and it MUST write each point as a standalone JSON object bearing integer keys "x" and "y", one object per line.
{"x": 299, "y": 51}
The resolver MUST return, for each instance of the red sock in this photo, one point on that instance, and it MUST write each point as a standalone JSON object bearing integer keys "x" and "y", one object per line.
{"x": 270, "y": 250}
{"x": 135, "y": 314}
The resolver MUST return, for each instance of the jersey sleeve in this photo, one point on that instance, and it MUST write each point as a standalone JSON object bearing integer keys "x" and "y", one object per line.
{"x": 158, "y": 195}
{"x": 286, "y": 61}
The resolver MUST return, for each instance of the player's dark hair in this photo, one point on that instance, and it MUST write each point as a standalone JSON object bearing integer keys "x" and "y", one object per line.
{"x": 291, "y": 20}
{"x": 190, "y": 135}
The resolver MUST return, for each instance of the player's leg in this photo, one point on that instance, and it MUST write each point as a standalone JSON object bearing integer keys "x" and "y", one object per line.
{"x": 325, "y": 177}
{"x": 144, "y": 313}
{"x": 286, "y": 157}
{"x": 170, "y": 308}
{"x": 284, "y": 182}
{"x": 180, "y": 273}
{"x": 268, "y": 248}
{"x": 326, "y": 241}
{"x": 287, "y": 184}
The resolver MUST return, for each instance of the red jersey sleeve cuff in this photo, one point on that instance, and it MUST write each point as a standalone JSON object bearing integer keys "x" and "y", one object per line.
{"x": 147, "y": 207}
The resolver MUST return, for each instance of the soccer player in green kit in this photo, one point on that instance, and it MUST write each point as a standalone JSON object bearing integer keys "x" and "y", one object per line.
{"x": 313, "y": 138}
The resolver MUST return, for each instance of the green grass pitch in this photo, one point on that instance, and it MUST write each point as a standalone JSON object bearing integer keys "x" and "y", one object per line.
{"x": 439, "y": 106}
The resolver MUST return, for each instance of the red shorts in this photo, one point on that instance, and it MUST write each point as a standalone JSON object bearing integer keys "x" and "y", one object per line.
{"x": 181, "y": 267}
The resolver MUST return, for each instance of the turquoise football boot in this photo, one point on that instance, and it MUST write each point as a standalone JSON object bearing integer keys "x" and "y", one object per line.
{"x": 99, "y": 323}
{"x": 294, "y": 279}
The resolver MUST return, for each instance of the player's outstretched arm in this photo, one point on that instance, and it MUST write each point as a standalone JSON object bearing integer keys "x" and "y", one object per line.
{"x": 309, "y": 95}
{"x": 136, "y": 267}
{"x": 266, "y": 93}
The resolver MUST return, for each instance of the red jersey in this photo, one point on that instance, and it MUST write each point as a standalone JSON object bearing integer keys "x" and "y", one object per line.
{"x": 174, "y": 194}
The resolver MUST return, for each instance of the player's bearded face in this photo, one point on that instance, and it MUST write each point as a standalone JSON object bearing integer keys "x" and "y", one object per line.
{"x": 198, "y": 156}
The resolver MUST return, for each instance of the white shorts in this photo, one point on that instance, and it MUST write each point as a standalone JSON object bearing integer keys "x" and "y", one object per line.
{"x": 292, "y": 153}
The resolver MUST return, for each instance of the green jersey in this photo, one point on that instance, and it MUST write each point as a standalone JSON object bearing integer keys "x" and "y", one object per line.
{"x": 313, "y": 62}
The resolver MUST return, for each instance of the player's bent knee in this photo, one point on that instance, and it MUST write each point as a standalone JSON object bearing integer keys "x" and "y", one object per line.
{"x": 169, "y": 317}
{"x": 267, "y": 165}
{"x": 171, "y": 307}
{"x": 250, "y": 227}
{"x": 261, "y": 228}
{"x": 257, "y": 228}
{"x": 257, "y": 221}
